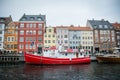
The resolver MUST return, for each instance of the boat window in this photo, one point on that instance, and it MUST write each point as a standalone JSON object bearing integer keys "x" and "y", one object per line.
{"x": 65, "y": 54}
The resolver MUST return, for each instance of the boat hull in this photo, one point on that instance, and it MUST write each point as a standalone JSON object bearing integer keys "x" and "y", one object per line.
{"x": 108, "y": 59}
{"x": 35, "y": 59}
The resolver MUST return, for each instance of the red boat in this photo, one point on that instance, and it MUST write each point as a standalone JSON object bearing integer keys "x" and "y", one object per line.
{"x": 53, "y": 56}
{"x": 36, "y": 59}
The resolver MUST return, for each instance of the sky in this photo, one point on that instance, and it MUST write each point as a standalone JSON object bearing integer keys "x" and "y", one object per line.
{"x": 63, "y": 12}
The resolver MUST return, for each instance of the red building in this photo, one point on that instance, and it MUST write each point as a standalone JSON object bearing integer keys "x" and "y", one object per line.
{"x": 117, "y": 30}
{"x": 31, "y": 33}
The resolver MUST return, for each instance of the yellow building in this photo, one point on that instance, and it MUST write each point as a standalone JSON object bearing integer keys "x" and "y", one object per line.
{"x": 11, "y": 37}
{"x": 50, "y": 37}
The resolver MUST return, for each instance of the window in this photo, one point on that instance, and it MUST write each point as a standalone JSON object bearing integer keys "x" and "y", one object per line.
{"x": 49, "y": 41}
{"x": 45, "y": 35}
{"x": 49, "y": 36}
{"x": 27, "y": 25}
{"x": 100, "y": 26}
{"x": 30, "y": 32}
{"x": 113, "y": 39}
{"x": 27, "y": 32}
{"x": 24, "y": 18}
{"x": 30, "y": 25}
{"x": 53, "y": 41}
{"x": 21, "y": 46}
{"x": 39, "y": 25}
{"x": 112, "y": 32}
{"x": 0, "y": 32}
{"x": 40, "y": 39}
{"x": 65, "y": 36}
{"x": 34, "y": 32}
{"x": 27, "y": 46}
{"x": 0, "y": 26}
{"x": 8, "y": 46}
{"x": 39, "y": 19}
{"x": 0, "y": 38}
{"x": 12, "y": 46}
{"x": 58, "y": 36}
{"x": 66, "y": 41}
{"x": 95, "y": 26}
{"x": 96, "y": 32}
{"x": 45, "y": 41}
{"x": 12, "y": 38}
{"x": 31, "y": 18}
{"x": 105, "y": 26}
{"x": 27, "y": 39}
{"x": 21, "y": 32}
{"x": 21, "y": 25}
{"x": 49, "y": 30}
{"x": 8, "y": 38}
{"x": 21, "y": 39}
{"x": 53, "y": 35}
{"x": 34, "y": 25}
{"x": 39, "y": 32}
{"x": 15, "y": 46}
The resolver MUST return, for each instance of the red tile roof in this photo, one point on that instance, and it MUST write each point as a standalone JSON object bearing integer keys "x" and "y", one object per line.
{"x": 116, "y": 26}
{"x": 76, "y": 28}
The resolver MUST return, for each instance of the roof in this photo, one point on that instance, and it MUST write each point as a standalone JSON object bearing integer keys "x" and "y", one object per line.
{"x": 5, "y": 20}
{"x": 80, "y": 28}
{"x": 116, "y": 26}
{"x": 61, "y": 27}
{"x": 33, "y": 18}
{"x": 100, "y": 24}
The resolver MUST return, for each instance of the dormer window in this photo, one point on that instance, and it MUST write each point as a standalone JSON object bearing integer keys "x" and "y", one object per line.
{"x": 100, "y": 26}
{"x": 31, "y": 18}
{"x": 39, "y": 19}
{"x": 1, "y": 20}
{"x": 95, "y": 26}
{"x": 24, "y": 18}
{"x": 105, "y": 26}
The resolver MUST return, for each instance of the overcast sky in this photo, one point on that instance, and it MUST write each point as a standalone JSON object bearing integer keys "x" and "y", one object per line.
{"x": 63, "y": 12}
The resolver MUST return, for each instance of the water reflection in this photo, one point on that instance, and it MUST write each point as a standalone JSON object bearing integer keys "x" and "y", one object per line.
{"x": 64, "y": 72}
{"x": 93, "y": 71}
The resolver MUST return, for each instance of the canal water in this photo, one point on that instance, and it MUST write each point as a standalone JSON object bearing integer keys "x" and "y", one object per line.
{"x": 92, "y": 71}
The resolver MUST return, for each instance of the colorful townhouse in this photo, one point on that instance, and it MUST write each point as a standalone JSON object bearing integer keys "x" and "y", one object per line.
{"x": 103, "y": 34}
{"x": 3, "y": 24}
{"x": 117, "y": 32}
{"x": 62, "y": 37}
{"x": 81, "y": 37}
{"x": 50, "y": 37}
{"x": 11, "y": 37}
{"x": 87, "y": 39}
{"x": 74, "y": 37}
{"x": 31, "y": 33}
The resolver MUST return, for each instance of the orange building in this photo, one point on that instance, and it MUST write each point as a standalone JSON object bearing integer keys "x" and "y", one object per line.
{"x": 11, "y": 37}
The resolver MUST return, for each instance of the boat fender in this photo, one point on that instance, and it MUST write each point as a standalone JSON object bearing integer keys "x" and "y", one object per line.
{"x": 70, "y": 59}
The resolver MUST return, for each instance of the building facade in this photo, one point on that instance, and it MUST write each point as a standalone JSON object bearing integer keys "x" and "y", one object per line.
{"x": 81, "y": 37}
{"x": 74, "y": 37}
{"x": 87, "y": 40}
{"x": 50, "y": 37}
{"x": 62, "y": 36}
{"x": 117, "y": 31}
{"x": 11, "y": 37}
{"x": 31, "y": 33}
{"x": 104, "y": 35}
{"x": 3, "y": 24}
